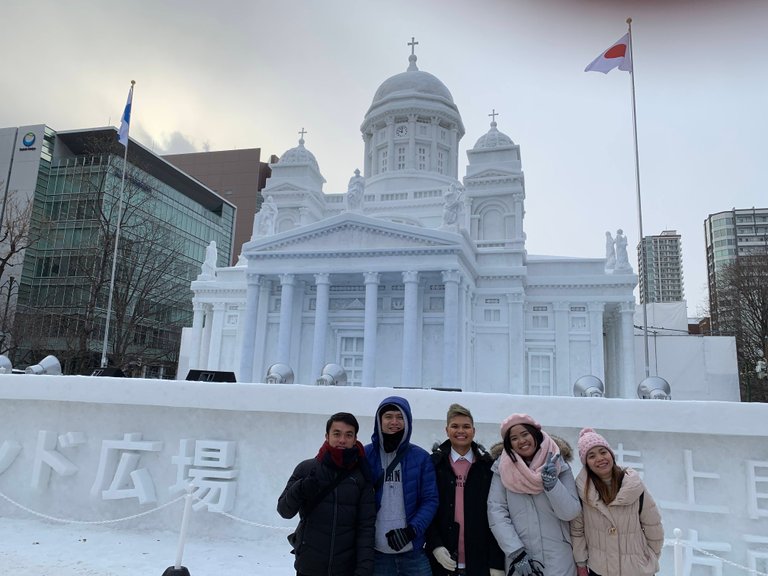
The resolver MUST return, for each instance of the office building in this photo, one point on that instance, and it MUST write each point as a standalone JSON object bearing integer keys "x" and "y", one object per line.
{"x": 661, "y": 268}
{"x": 236, "y": 175}
{"x": 729, "y": 237}
{"x": 73, "y": 180}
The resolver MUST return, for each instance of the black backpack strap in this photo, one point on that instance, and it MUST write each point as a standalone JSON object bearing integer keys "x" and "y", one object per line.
{"x": 642, "y": 497}
{"x": 389, "y": 470}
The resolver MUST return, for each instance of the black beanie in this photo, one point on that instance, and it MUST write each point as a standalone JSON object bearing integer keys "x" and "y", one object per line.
{"x": 391, "y": 407}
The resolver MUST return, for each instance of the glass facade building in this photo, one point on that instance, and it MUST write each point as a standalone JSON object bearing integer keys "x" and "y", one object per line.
{"x": 167, "y": 220}
{"x": 730, "y": 236}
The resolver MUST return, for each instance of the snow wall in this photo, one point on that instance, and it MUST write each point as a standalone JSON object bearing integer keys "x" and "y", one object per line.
{"x": 97, "y": 449}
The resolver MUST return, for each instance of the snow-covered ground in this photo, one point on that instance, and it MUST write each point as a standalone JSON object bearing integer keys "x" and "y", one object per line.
{"x": 32, "y": 547}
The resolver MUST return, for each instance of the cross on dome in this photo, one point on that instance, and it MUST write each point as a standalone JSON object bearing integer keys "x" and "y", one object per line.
{"x": 493, "y": 115}
{"x": 413, "y": 45}
{"x": 412, "y": 58}
{"x": 301, "y": 134}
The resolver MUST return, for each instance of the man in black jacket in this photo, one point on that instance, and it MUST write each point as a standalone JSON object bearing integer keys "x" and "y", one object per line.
{"x": 333, "y": 495}
{"x": 459, "y": 540}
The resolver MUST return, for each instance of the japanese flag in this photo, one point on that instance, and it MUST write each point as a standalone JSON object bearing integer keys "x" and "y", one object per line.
{"x": 616, "y": 55}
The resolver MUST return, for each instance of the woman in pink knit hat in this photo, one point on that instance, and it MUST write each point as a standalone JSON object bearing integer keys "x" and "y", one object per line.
{"x": 531, "y": 500}
{"x": 619, "y": 531}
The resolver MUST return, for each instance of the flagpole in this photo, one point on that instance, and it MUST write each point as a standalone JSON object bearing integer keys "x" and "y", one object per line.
{"x": 104, "y": 361}
{"x": 639, "y": 203}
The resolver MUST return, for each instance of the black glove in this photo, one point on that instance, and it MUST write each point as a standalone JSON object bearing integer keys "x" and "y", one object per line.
{"x": 310, "y": 486}
{"x": 521, "y": 566}
{"x": 398, "y": 538}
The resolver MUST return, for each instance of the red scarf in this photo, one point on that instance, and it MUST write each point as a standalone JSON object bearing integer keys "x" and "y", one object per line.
{"x": 341, "y": 458}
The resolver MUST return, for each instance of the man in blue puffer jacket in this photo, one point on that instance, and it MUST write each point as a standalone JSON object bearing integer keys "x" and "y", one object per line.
{"x": 406, "y": 492}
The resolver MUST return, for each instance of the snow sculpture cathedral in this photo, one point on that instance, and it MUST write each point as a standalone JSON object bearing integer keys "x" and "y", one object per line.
{"x": 413, "y": 277}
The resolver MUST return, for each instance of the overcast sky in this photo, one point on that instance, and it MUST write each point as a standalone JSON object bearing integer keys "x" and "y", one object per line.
{"x": 252, "y": 73}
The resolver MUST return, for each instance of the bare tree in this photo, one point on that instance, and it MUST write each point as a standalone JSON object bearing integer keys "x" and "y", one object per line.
{"x": 151, "y": 290}
{"x": 16, "y": 236}
{"x": 743, "y": 312}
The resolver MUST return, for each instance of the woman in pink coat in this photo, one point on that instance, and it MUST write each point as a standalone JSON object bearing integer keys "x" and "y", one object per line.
{"x": 619, "y": 531}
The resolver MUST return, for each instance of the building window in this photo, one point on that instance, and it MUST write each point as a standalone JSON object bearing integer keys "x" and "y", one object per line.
{"x": 401, "y": 157}
{"x": 492, "y": 315}
{"x": 383, "y": 159}
{"x": 578, "y": 322}
{"x": 540, "y": 374}
{"x": 441, "y": 162}
{"x": 422, "y": 157}
{"x": 351, "y": 358}
{"x": 540, "y": 317}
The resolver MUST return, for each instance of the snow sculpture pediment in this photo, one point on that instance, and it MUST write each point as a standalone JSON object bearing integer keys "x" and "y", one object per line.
{"x": 493, "y": 175}
{"x": 352, "y": 233}
{"x": 285, "y": 187}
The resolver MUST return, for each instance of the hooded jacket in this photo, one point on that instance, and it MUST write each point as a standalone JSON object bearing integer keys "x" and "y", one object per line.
{"x": 482, "y": 551}
{"x": 618, "y": 539}
{"x": 418, "y": 473}
{"x": 536, "y": 523}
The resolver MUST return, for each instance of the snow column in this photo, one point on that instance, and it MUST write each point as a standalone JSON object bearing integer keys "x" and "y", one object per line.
{"x": 370, "y": 328}
{"x": 562, "y": 349}
{"x": 323, "y": 285}
{"x": 628, "y": 386}
{"x": 197, "y": 334}
{"x": 451, "y": 280}
{"x": 249, "y": 327}
{"x": 596, "y": 345}
{"x": 409, "y": 377}
{"x": 217, "y": 327}
{"x": 287, "y": 283}
{"x": 516, "y": 343}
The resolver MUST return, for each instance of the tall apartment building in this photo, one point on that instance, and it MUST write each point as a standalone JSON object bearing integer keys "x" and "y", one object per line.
{"x": 729, "y": 236}
{"x": 56, "y": 293}
{"x": 661, "y": 270}
{"x": 238, "y": 176}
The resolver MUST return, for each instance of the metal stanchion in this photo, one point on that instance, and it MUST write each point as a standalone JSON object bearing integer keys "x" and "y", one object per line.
{"x": 678, "y": 552}
{"x": 177, "y": 569}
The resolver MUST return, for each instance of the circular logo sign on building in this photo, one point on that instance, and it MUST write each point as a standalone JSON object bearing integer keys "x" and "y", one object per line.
{"x": 29, "y": 139}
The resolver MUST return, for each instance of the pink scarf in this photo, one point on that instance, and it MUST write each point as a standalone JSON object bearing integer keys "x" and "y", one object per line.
{"x": 521, "y": 478}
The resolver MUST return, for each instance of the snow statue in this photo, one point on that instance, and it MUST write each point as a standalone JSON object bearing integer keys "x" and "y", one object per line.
{"x": 622, "y": 260}
{"x": 451, "y": 208}
{"x": 610, "y": 252}
{"x": 208, "y": 267}
{"x": 355, "y": 192}
{"x": 264, "y": 221}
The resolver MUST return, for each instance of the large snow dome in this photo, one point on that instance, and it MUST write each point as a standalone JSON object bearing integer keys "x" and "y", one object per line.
{"x": 409, "y": 82}
{"x": 413, "y": 84}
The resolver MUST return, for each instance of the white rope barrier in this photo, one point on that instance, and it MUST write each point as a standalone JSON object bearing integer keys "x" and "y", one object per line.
{"x": 724, "y": 561}
{"x": 139, "y": 515}
{"x": 86, "y": 522}
{"x": 678, "y": 545}
{"x": 244, "y": 521}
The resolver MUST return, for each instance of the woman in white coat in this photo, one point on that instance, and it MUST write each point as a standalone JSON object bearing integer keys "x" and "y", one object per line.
{"x": 619, "y": 531}
{"x": 531, "y": 501}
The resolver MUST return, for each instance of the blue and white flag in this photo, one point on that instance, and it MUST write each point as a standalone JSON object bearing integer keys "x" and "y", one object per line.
{"x": 125, "y": 121}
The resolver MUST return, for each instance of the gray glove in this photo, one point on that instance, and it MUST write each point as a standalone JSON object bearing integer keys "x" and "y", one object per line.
{"x": 520, "y": 566}
{"x": 549, "y": 472}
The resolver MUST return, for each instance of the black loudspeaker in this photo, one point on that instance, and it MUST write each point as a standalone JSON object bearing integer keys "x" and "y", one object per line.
{"x": 210, "y": 376}
{"x": 109, "y": 371}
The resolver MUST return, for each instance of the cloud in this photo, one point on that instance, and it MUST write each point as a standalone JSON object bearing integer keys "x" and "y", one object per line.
{"x": 177, "y": 143}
